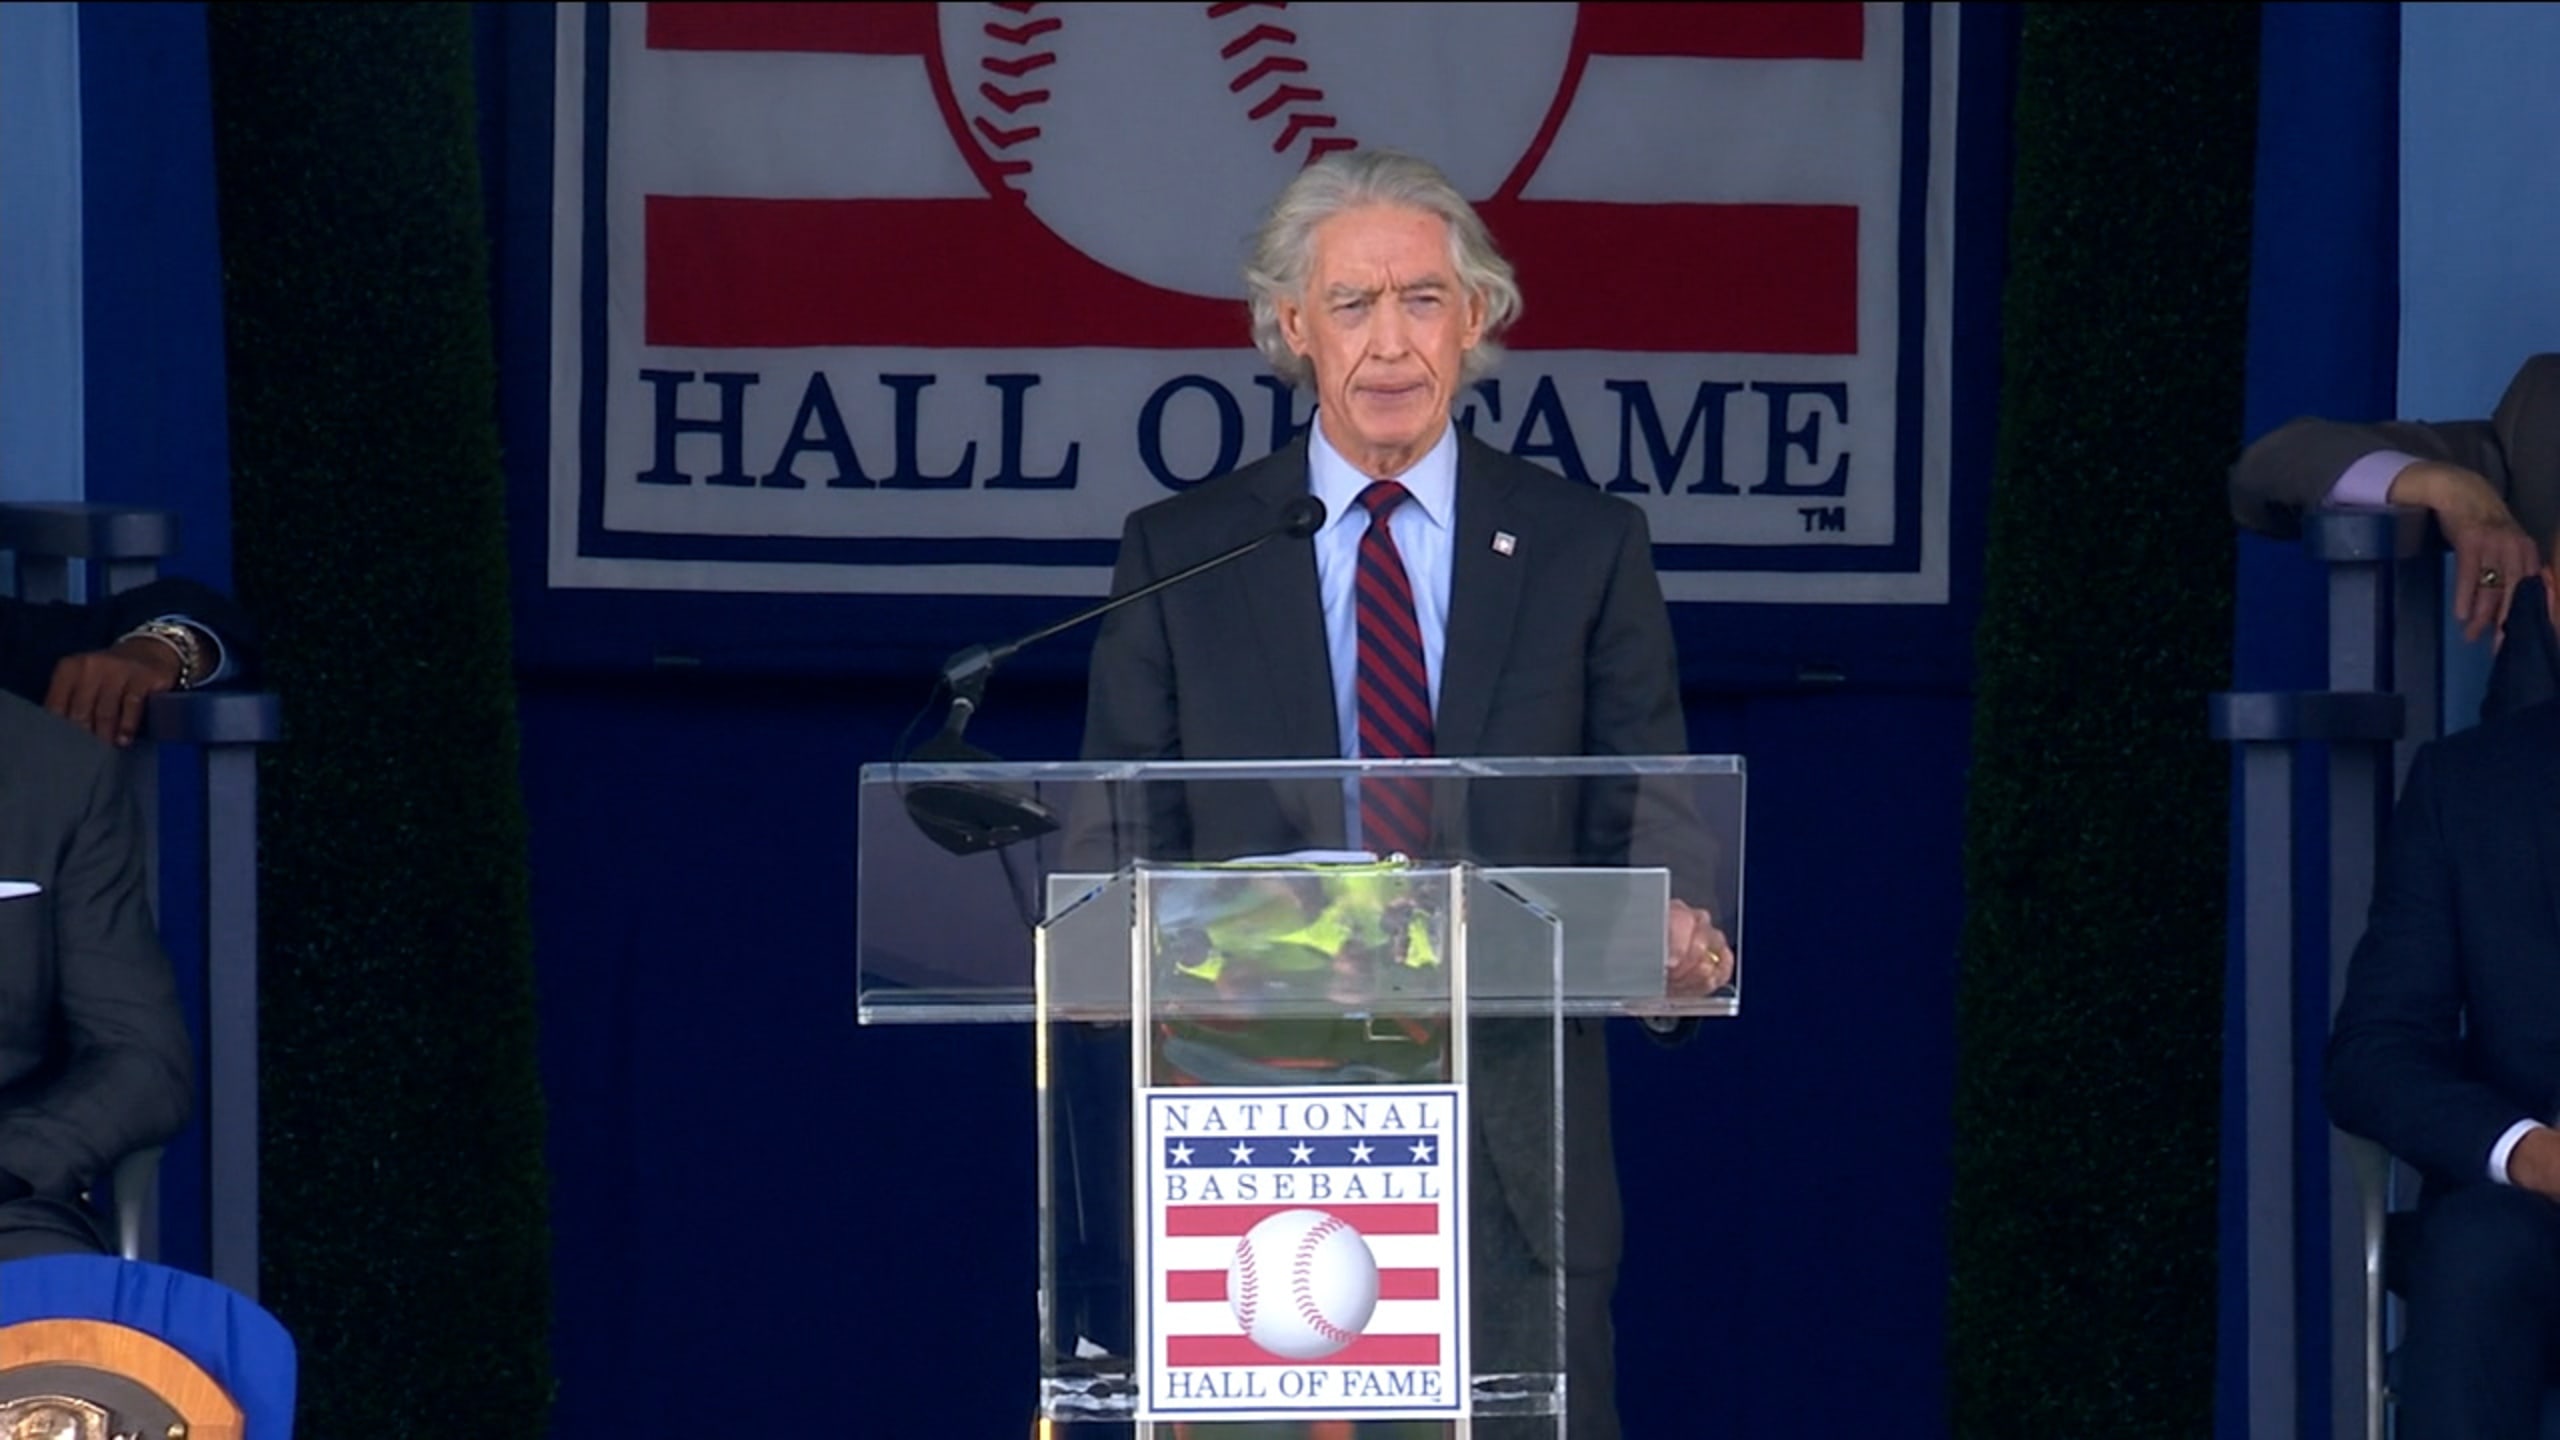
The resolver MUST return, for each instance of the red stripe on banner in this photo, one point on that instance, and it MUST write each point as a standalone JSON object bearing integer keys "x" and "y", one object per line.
{"x": 893, "y": 27}
{"x": 1726, "y": 32}
{"x": 1752, "y": 279}
{"x": 1735, "y": 31}
{"x": 1395, "y": 1284}
{"x": 984, "y": 274}
{"x": 1189, "y": 1350}
{"x": 1186, "y": 1220}
{"x": 971, "y": 274}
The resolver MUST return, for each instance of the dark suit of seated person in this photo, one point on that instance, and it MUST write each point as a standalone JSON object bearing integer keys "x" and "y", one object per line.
{"x": 96, "y": 664}
{"x": 94, "y": 1057}
{"x": 2446, "y": 1051}
{"x": 87, "y": 1076}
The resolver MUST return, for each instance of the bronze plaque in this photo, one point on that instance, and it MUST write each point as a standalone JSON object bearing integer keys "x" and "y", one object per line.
{"x": 55, "y": 1417}
{"x": 73, "y": 1402}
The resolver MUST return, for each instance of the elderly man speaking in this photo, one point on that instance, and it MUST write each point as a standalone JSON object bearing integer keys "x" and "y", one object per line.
{"x": 1457, "y": 601}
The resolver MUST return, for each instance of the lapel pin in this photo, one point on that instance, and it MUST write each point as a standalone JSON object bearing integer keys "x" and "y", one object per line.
{"x": 1504, "y": 543}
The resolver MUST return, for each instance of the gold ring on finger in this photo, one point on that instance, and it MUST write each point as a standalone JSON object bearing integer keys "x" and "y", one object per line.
{"x": 2490, "y": 579}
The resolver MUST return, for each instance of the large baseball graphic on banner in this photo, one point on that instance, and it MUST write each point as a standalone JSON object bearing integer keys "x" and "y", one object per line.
{"x": 1196, "y": 115}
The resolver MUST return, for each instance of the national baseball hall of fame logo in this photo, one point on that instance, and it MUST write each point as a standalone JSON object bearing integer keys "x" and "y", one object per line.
{"x": 925, "y": 299}
{"x": 1300, "y": 1252}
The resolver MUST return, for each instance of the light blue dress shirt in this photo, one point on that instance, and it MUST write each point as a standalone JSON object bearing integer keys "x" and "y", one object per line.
{"x": 1424, "y": 527}
{"x": 1425, "y": 535}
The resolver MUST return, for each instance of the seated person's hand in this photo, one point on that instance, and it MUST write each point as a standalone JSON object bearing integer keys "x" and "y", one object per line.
{"x": 102, "y": 691}
{"x": 2491, "y": 552}
{"x": 1699, "y": 959}
{"x": 2535, "y": 1162}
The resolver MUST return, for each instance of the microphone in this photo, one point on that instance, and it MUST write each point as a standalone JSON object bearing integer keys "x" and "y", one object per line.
{"x": 966, "y": 818}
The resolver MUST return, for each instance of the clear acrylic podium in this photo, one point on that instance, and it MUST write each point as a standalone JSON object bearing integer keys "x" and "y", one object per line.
{"x": 1303, "y": 1110}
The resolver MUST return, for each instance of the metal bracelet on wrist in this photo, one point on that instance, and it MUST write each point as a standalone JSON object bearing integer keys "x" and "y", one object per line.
{"x": 182, "y": 642}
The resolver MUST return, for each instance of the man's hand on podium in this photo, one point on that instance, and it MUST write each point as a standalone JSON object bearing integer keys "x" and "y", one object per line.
{"x": 1699, "y": 959}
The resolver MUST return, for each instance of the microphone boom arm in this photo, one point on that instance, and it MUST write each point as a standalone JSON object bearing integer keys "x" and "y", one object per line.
{"x": 966, "y": 673}
{"x": 966, "y": 817}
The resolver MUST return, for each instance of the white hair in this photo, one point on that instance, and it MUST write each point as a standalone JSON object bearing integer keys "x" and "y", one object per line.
{"x": 1284, "y": 248}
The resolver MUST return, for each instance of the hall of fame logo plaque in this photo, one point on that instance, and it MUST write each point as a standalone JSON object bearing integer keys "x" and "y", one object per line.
{"x": 1301, "y": 1253}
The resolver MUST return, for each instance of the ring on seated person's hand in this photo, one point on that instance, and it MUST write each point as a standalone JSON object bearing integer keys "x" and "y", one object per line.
{"x": 2490, "y": 579}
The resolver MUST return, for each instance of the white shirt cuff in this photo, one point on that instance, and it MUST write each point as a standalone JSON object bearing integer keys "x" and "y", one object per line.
{"x": 2368, "y": 481}
{"x": 2506, "y": 1145}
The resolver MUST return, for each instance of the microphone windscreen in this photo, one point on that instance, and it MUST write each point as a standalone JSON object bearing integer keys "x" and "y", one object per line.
{"x": 1302, "y": 517}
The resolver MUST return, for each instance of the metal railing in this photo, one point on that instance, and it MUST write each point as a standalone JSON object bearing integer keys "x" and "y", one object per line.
{"x": 2353, "y": 740}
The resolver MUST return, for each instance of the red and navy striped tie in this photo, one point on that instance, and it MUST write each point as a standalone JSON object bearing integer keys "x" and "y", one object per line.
{"x": 1392, "y": 689}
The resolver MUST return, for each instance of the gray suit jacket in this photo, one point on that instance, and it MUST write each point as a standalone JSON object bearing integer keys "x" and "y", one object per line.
{"x": 1562, "y": 647}
{"x": 94, "y": 1057}
{"x": 2290, "y": 469}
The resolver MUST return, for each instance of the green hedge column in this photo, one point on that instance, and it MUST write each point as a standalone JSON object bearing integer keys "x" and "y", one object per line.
{"x": 2090, "y": 1010}
{"x": 404, "y": 1199}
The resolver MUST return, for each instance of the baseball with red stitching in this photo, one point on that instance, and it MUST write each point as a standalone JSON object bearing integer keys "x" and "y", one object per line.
{"x": 1303, "y": 1284}
{"x": 1194, "y": 116}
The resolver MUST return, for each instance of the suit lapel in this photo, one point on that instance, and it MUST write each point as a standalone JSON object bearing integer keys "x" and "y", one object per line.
{"x": 1287, "y": 610}
{"x": 1286, "y": 605}
{"x": 1484, "y": 599}
{"x": 1280, "y": 592}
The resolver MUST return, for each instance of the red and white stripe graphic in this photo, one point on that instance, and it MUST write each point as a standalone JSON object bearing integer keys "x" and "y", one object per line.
{"x": 1196, "y": 1317}
{"x": 817, "y": 175}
